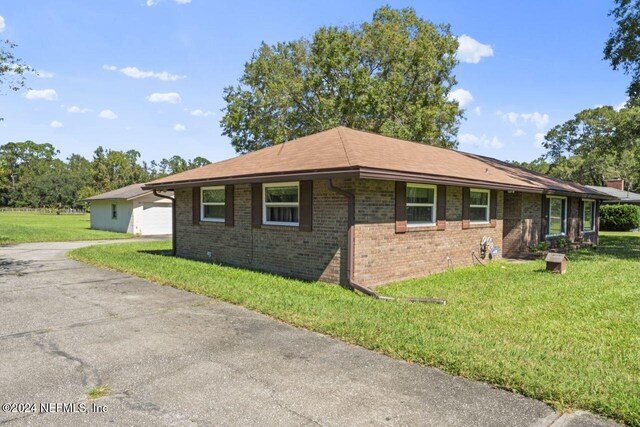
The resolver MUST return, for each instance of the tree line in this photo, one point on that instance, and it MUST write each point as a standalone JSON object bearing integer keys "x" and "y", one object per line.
{"x": 32, "y": 175}
{"x": 595, "y": 145}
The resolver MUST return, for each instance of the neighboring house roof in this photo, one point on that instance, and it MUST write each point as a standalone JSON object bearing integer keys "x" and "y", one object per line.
{"x": 347, "y": 153}
{"x": 125, "y": 193}
{"x": 620, "y": 196}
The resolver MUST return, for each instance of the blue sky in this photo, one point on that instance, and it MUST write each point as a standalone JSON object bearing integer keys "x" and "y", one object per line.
{"x": 151, "y": 77}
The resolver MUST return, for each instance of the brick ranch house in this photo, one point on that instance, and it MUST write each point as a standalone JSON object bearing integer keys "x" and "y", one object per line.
{"x": 345, "y": 206}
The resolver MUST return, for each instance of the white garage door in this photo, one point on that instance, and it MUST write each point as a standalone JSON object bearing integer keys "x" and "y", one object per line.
{"x": 156, "y": 218}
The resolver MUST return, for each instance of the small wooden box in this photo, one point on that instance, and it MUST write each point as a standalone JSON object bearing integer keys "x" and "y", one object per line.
{"x": 556, "y": 263}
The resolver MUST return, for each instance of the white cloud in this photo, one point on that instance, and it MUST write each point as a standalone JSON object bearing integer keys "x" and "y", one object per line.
{"x": 76, "y": 109}
{"x": 182, "y": 1}
{"x": 136, "y": 73}
{"x": 463, "y": 97}
{"x": 200, "y": 113}
{"x": 43, "y": 74}
{"x": 539, "y": 120}
{"x": 471, "y": 50}
{"x": 47, "y": 94}
{"x": 170, "y": 97}
{"x": 179, "y": 127}
{"x": 2, "y": 24}
{"x": 56, "y": 124}
{"x": 518, "y": 132}
{"x": 620, "y": 106}
{"x": 152, "y": 2}
{"x": 539, "y": 139}
{"x": 478, "y": 111}
{"x": 108, "y": 114}
{"x": 481, "y": 142}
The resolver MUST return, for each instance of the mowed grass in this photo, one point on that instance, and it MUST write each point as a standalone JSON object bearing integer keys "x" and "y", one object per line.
{"x": 571, "y": 340}
{"x": 18, "y": 227}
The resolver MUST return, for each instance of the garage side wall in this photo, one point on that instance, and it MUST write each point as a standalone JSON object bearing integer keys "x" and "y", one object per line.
{"x": 151, "y": 215}
{"x": 101, "y": 216}
{"x": 383, "y": 256}
{"x": 314, "y": 255}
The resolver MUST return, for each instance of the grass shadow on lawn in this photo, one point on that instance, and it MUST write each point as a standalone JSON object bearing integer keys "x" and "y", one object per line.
{"x": 158, "y": 252}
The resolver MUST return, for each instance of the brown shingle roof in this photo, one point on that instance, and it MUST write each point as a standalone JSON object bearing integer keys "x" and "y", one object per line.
{"x": 350, "y": 153}
{"x": 125, "y": 193}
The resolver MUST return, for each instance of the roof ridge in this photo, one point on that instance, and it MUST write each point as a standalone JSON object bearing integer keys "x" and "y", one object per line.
{"x": 344, "y": 147}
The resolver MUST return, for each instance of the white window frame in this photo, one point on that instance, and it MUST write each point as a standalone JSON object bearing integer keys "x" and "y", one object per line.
{"x": 564, "y": 223}
{"x": 203, "y": 204}
{"x": 114, "y": 211}
{"x": 432, "y": 205}
{"x": 487, "y": 207}
{"x": 593, "y": 214}
{"x": 279, "y": 204}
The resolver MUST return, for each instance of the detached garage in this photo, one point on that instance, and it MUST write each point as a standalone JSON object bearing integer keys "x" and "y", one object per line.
{"x": 131, "y": 210}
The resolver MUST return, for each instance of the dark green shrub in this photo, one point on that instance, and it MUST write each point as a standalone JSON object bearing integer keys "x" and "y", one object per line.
{"x": 619, "y": 217}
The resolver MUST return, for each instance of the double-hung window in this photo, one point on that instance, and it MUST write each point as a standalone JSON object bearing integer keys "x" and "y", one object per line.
{"x": 114, "y": 211}
{"x": 479, "y": 205}
{"x": 281, "y": 203}
{"x": 212, "y": 201}
{"x": 557, "y": 215}
{"x": 588, "y": 215}
{"x": 421, "y": 204}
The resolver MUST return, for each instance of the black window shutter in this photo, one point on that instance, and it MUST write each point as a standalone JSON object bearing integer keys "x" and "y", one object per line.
{"x": 401, "y": 207}
{"x": 581, "y": 214}
{"x": 493, "y": 208}
{"x": 570, "y": 218}
{"x": 256, "y": 205}
{"x": 441, "y": 208}
{"x": 306, "y": 206}
{"x": 544, "y": 218}
{"x": 195, "y": 205}
{"x": 466, "y": 205}
{"x": 228, "y": 205}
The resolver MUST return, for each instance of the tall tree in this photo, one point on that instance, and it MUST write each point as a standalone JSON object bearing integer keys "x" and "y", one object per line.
{"x": 12, "y": 69}
{"x": 623, "y": 47}
{"x": 113, "y": 169}
{"x": 596, "y": 144}
{"x": 391, "y": 76}
{"x": 17, "y": 158}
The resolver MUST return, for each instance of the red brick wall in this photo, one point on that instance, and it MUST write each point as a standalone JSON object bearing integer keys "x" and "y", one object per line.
{"x": 282, "y": 250}
{"x": 522, "y": 222}
{"x": 382, "y": 255}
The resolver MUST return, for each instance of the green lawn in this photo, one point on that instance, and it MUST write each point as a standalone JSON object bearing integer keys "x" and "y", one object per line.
{"x": 571, "y": 340}
{"x": 17, "y": 227}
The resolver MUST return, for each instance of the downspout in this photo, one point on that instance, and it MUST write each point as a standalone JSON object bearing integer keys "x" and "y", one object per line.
{"x": 351, "y": 221}
{"x": 173, "y": 219}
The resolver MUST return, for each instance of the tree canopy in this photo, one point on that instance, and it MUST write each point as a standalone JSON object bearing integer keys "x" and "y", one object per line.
{"x": 12, "y": 69}
{"x": 31, "y": 175}
{"x": 596, "y": 144}
{"x": 622, "y": 49}
{"x": 391, "y": 76}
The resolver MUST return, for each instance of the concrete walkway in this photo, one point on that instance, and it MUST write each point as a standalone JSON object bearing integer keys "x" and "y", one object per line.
{"x": 175, "y": 358}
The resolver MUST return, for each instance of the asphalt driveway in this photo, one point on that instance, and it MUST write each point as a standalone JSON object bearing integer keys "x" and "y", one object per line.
{"x": 175, "y": 358}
